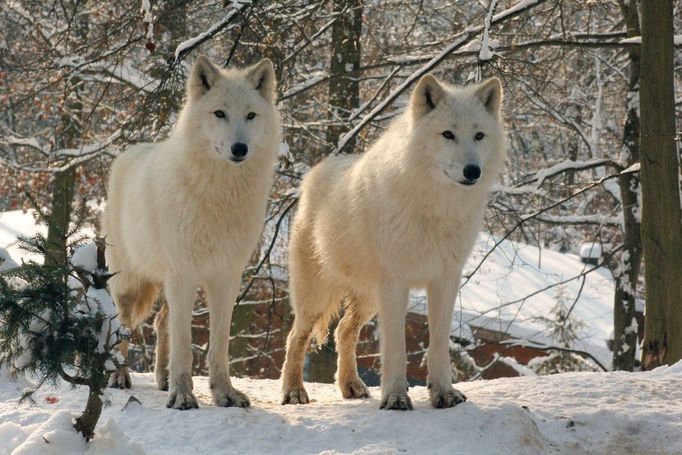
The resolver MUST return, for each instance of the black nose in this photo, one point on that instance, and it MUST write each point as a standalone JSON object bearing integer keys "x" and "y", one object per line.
{"x": 239, "y": 149}
{"x": 472, "y": 172}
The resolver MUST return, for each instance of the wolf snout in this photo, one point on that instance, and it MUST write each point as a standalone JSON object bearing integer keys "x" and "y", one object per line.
{"x": 471, "y": 173}
{"x": 239, "y": 151}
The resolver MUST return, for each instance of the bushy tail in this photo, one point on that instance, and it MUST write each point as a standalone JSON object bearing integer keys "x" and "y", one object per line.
{"x": 320, "y": 331}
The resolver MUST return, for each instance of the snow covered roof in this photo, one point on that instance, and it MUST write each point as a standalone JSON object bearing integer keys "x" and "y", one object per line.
{"x": 515, "y": 286}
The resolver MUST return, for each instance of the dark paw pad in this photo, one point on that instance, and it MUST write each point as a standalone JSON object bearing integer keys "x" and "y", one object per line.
{"x": 447, "y": 399}
{"x": 299, "y": 396}
{"x": 355, "y": 389}
{"x": 398, "y": 402}
{"x": 182, "y": 401}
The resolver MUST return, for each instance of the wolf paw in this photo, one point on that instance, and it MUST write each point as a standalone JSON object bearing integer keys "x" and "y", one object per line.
{"x": 120, "y": 379}
{"x": 354, "y": 388}
{"x": 398, "y": 401}
{"x": 182, "y": 400}
{"x": 447, "y": 398}
{"x": 231, "y": 398}
{"x": 297, "y": 396}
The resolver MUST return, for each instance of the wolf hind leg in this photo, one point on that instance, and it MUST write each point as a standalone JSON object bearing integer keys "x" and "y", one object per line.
{"x": 162, "y": 347}
{"x": 358, "y": 311}
{"x": 314, "y": 308}
{"x": 134, "y": 299}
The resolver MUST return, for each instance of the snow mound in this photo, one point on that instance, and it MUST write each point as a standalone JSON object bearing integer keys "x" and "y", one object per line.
{"x": 6, "y": 261}
{"x": 110, "y": 440}
{"x": 12, "y": 435}
{"x": 56, "y": 436}
{"x": 573, "y": 413}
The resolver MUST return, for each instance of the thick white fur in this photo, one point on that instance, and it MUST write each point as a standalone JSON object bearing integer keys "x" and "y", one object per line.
{"x": 370, "y": 228}
{"x": 181, "y": 213}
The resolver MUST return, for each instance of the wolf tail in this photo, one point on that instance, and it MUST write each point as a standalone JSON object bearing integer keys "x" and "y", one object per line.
{"x": 320, "y": 331}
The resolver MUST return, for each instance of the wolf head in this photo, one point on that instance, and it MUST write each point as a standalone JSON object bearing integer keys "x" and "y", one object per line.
{"x": 457, "y": 132}
{"x": 230, "y": 114}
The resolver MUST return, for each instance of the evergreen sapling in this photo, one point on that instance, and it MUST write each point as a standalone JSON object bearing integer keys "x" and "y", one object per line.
{"x": 57, "y": 321}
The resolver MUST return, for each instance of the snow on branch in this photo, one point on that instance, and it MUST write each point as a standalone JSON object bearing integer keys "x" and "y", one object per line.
{"x": 315, "y": 78}
{"x": 538, "y": 178}
{"x": 186, "y": 46}
{"x": 31, "y": 142}
{"x": 569, "y": 165}
{"x": 69, "y": 156}
{"x": 632, "y": 169}
{"x": 460, "y": 40}
{"x": 601, "y": 220}
{"x": 486, "y": 52}
{"x": 677, "y": 40}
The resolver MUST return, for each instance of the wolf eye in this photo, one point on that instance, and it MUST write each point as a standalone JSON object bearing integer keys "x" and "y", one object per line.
{"x": 479, "y": 136}
{"x": 448, "y": 134}
{"x": 250, "y": 116}
{"x": 219, "y": 113}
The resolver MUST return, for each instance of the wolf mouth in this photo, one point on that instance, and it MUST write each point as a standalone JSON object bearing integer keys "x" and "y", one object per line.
{"x": 465, "y": 182}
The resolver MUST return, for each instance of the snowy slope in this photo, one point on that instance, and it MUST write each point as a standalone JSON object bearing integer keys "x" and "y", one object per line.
{"x": 15, "y": 223}
{"x": 576, "y": 413}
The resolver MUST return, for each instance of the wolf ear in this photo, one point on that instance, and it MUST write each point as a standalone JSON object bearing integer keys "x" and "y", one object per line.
{"x": 203, "y": 76}
{"x": 262, "y": 77}
{"x": 426, "y": 95}
{"x": 490, "y": 94}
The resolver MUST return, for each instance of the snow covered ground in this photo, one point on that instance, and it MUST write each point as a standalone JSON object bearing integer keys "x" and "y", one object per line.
{"x": 579, "y": 413}
{"x": 575, "y": 413}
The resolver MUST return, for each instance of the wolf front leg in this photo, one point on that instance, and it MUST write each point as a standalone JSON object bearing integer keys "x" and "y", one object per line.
{"x": 392, "y": 311}
{"x": 221, "y": 295}
{"x": 441, "y": 295}
{"x": 180, "y": 295}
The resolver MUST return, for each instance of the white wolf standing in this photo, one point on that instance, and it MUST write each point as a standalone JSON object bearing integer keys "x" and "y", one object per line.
{"x": 188, "y": 211}
{"x": 403, "y": 215}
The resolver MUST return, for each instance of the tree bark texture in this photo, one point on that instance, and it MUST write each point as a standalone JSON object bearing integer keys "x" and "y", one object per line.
{"x": 660, "y": 174}
{"x": 344, "y": 87}
{"x": 68, "y": 136}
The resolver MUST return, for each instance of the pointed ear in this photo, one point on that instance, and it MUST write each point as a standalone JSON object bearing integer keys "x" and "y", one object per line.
{"x": 203, "y": 76}
{"x": 262, "y": 77}
{"x": 490, "y": 94}
{"x": 426, "y": 95}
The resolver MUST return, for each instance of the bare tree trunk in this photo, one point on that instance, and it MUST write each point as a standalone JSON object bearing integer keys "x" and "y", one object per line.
{"x": 85, "y": 424}
{"x": 69, "y": 135}
{"x": 660, "y": 174}
{"x": 344, "y": 98}
{"x": 58, "y": 227}
{"x": 627, "y": 271}
{"x": 344, "y": 88}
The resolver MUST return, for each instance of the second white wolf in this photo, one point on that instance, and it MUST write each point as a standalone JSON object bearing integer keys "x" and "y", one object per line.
{"x": 404, "y": 215}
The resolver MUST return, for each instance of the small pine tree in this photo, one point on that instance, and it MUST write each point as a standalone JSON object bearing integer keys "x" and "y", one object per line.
{"x": 58, "y": 321}
{"x": 564, "y": 328}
